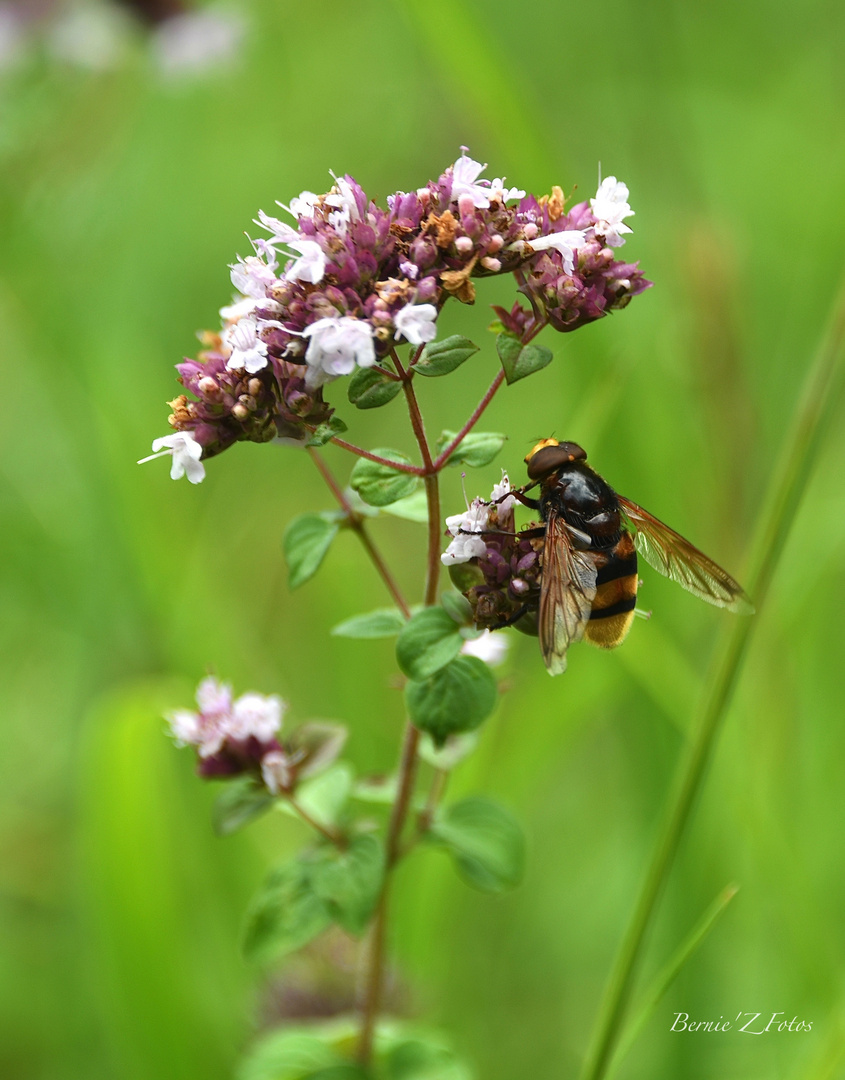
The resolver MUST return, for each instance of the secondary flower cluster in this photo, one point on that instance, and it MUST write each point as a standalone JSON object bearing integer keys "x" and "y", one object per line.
{"x": 239, "y": 736}
{"x": 350, "y": 280}
{"x": 495, "y": 567}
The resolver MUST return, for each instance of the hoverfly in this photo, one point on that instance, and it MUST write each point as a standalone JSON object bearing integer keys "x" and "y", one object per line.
{"x": 592, "y": 535}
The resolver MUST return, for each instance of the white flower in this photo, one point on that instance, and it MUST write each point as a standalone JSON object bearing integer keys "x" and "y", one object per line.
{"x": 252, "y": 276}
{"x": 303, "y": 205}
{"x": 214, "y": 698}
{"x": 276, "y": 771}
{"x": 256, "y": 715}
{"x": 280, "y": 232}
{"x": 610, "y": 207}
{"x": 311, "y": 264}
{"x": 567, "y": 243}
{"x": 489, "y": 647}
{"x": 206, "y": 729}
{"x": 502, "y": 491}
{"x": 503, "y": 194}
{"x": 342, "y": 197}
{"x": 335, "y": 347}
{"x": 416, "y": 323}
{"x": 186, "y": 452}
{"x": 465, "y": 172}
{"x": 219, "y": 719}
{"x": 465, "y": 528}
{"x": 185, "y": 727}
{"x": 249, "y": 353}
{"x": 240, "y": 306}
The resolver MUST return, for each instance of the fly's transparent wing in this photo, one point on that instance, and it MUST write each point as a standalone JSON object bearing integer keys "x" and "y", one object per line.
{"x": 676, "y": 558}
{"x": 567, "y": 591}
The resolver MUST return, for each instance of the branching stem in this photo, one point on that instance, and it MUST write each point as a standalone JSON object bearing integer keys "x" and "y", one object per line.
{"x": 356, "y": 522}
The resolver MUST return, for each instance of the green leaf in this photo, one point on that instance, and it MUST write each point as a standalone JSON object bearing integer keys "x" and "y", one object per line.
{"x": 284, "y": 915}
{"x": 485, "y": 841}
{"x": 377, "y": 789}
{"x": 349, "y": 882}
{"x": 380, "y": 485}
{"x": 370, "y": 388}
{"x": 305, "y": 543}
{"x": 239, "y": 802}
{"x": 477, "y": 449}
{"x": 457, "y": 698}
{"x": 427, "y": 642}
{"x": 288, "y": 1055}
{"x": 325, "y": 796}
{"x": 519, "y": 360}
{"x": 451, "y": 753}
{"x": 327, "y": 431}
{"x": 381, "y": 623}
{"x": 441, "y": 357}
{"x": 457, "y": 606}
{"x": 416, "y": 1058}
{"x": 412, "y": 508}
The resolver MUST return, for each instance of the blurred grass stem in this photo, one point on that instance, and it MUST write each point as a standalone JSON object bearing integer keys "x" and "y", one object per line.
{"x": 821, "y": 393}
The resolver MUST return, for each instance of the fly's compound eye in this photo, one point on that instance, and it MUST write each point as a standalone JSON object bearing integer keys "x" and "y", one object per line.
{"x": 548, "y": 456}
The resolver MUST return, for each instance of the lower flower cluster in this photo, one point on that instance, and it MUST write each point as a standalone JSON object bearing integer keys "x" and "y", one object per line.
{"x": 240, "y": 736}
{"x": 496, "y": 568}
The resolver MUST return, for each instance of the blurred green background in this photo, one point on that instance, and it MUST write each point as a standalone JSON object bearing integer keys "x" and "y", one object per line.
{"x": 124, "y": 197}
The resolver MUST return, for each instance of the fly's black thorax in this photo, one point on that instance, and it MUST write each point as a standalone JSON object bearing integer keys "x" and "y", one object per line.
{"x": 586, "y": 502}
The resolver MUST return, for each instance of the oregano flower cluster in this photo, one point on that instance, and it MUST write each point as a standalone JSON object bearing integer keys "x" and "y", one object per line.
{"x": 337, "y": 287}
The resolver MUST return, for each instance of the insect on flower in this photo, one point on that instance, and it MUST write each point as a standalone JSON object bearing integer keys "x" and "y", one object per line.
{"x": 591, "y": 538}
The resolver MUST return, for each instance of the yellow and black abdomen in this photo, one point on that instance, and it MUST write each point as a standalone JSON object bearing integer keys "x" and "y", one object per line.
{"x": 616, "y": 594}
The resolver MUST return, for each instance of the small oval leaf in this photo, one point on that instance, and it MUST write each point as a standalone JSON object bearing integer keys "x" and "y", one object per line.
{"x": 241, "y": 801}
{"x": 441, "y": 357}
{"x": 457, "y": 698}
{"x": 412, "y": 508}
{"x": 349, "y": 882}
{"x": 381, "y": 623}
{"x": 305, "y": 543}
{"x": 519, "y": 360}
{"x": 370, "y": 388}
{"x": 378, "y": 484}
{"x": 326, "y": 432}
{"x": 485, "y": 840}
{"x": 284, "y": 915}
{"x": 475, "y": 450}
{"x": 427, "y": 643}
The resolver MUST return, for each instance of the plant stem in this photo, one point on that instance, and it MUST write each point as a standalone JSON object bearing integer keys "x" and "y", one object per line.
{"x": 374, "y": 980}
{"x": 336, "y": 838}
{"x": 789, "y": 481}
{"x": 408, "y": 762}
{"x": 356, "y": 522}
{"x": 443, "y": 457}
{"x": 359, "y": 451}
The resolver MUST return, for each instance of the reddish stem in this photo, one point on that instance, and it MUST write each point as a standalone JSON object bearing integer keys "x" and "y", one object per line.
{"x": 444, "y": 456}
{"x": 356, "y": 522}
{"x": 398, "y": 466}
